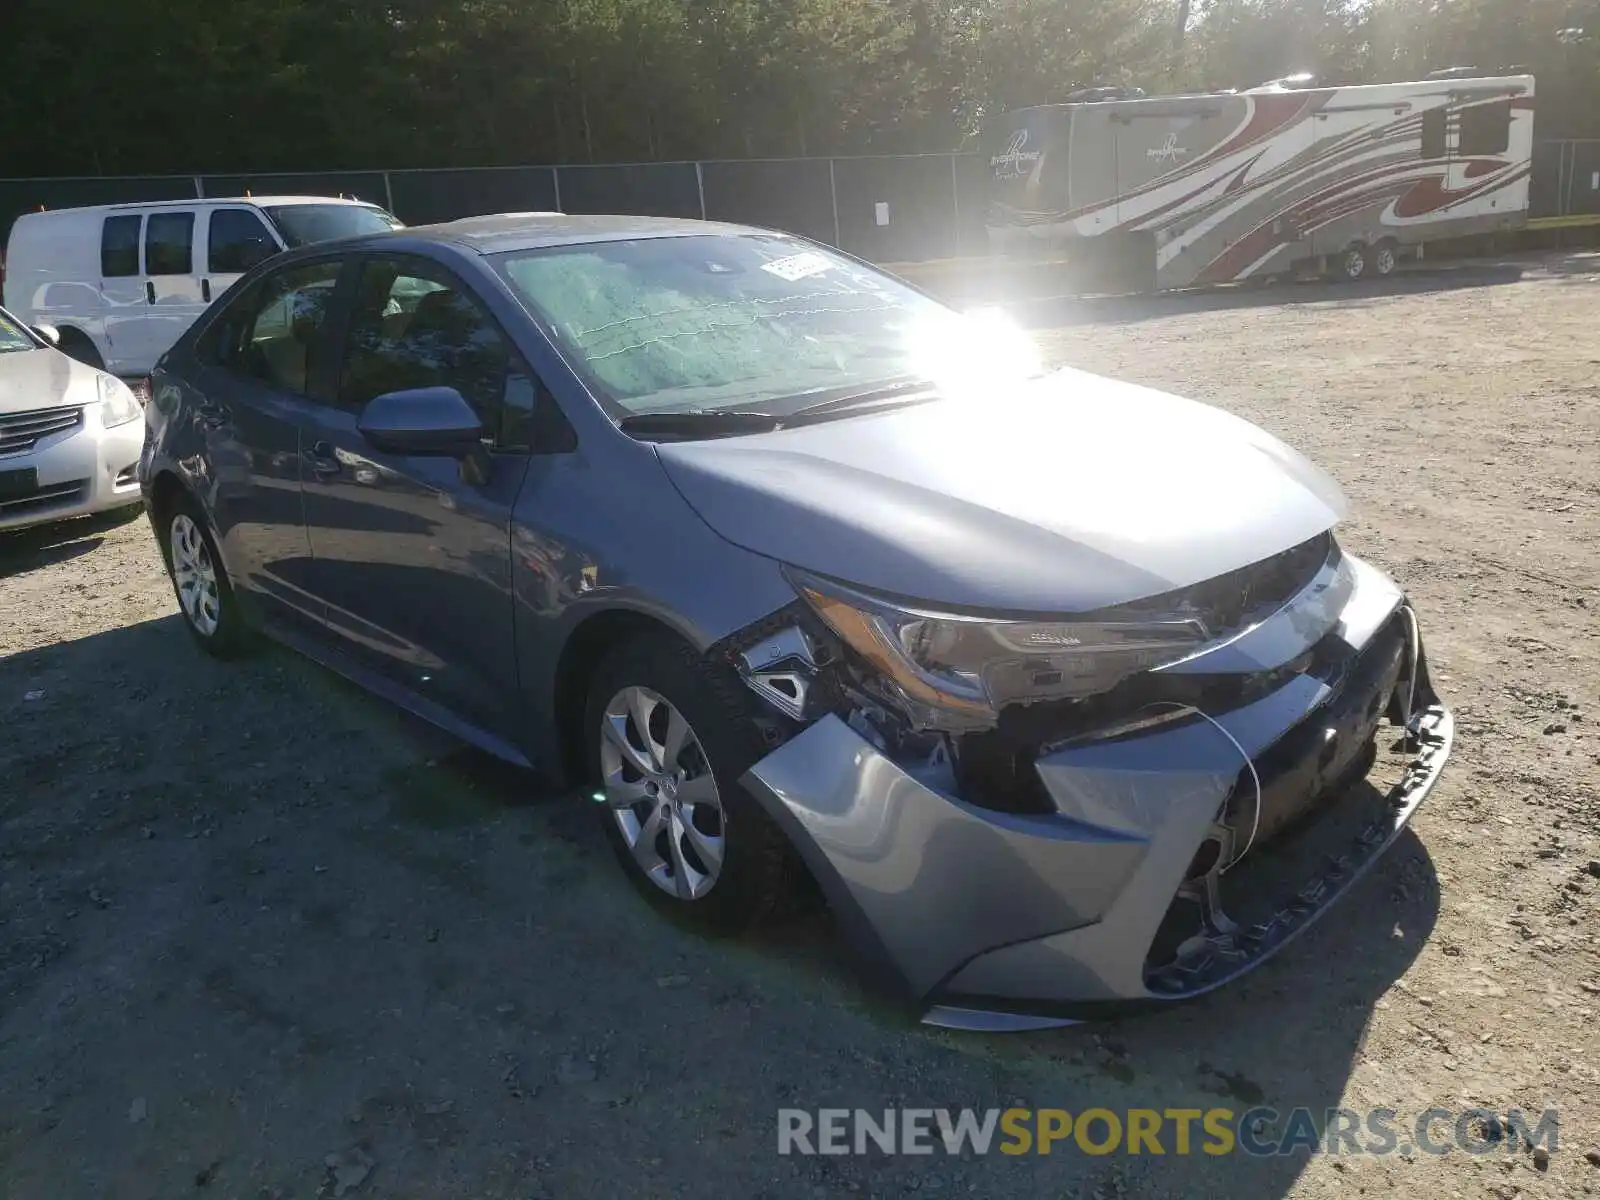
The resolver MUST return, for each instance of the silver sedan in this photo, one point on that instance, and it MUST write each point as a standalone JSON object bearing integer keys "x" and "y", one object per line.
{"x": 70, "y": 435}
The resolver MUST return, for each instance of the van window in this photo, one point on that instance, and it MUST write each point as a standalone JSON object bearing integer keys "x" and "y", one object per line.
{"x": 1486, "y": 128}
{"x": 237, "y": 241}
{"x": 302, "y": 224}
{"x": 119, "y": 246}
{"x": 168, "y": 243}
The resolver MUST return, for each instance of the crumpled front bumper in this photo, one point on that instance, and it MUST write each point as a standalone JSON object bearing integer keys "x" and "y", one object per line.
{"x": 995, "y": 920}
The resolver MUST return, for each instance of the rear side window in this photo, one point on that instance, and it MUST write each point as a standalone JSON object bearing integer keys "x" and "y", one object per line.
{"x": 274, "y": 331}
{"x": 237, "y": 241}
{"x": 1486, "y": 128}
{"x": 119, "y": 247}
{"x": 168, "y": 243}
{"x": 1433, "y": 133}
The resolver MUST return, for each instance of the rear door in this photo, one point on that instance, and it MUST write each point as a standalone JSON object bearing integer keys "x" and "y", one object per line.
{"x": 122, "y": 292}
{"x": 261, "y": 365}
{"x": 171, "y": 279}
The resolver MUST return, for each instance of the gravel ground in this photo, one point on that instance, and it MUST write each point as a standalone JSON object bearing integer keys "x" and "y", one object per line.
{"x": 260, "y": 937}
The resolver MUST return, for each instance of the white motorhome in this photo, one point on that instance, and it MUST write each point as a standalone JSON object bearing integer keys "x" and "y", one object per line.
{"x": 121, "y": 282}
{"x": 1181, "y": 191}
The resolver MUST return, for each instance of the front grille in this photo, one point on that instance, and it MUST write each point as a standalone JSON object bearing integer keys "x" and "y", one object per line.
{"x": 20, "y": 432}
{"x": 55, "y": 495}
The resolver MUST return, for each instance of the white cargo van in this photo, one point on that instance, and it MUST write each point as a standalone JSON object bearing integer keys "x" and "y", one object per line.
{"x": 122, "y": 281}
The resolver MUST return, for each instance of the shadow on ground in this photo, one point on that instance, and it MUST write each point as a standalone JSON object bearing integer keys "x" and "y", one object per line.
{"x": 37, "y": 546}
{"x": 253, "y": 922}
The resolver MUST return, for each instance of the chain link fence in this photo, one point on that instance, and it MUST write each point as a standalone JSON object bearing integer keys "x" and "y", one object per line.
{"x": 887, "y": 209}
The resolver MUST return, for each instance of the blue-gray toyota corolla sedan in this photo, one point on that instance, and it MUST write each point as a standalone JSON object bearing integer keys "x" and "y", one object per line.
{"x": 1060, "y": 690}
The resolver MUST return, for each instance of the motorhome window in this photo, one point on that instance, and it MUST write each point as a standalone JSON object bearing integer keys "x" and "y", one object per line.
{"x": 119, "y": 247}
{"x": 1433, "y": 133}
{"x": 1486, "y": 128}
{"x": 169, "y": 243}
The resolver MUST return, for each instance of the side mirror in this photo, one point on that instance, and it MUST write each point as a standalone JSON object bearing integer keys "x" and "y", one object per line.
{"x": 432, "y": 421}
{"x": 49, "y": 333}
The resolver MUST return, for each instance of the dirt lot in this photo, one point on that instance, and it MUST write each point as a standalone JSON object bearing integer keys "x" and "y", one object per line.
{"x": 250, "y": 920}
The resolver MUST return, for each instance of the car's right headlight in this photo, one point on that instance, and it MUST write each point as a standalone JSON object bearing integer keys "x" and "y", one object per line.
{"x": 972, "y": 666}
{"x": 118, "y": 404}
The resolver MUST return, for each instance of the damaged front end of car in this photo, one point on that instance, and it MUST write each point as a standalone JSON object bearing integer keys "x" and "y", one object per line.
{"x": 1021, "y": 821}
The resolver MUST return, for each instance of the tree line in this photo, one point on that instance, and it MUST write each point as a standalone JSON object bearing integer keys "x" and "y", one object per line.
{"x": 179, "y": 86}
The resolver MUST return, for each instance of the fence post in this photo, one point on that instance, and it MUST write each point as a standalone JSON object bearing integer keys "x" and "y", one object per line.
{"x": 833, "y": 193}
{"x": 555, "y": 183}
{"x": 388, "y": 194}
{"x": 199, "y": 189}
{"x": 1569, "y": 158}
{"x": 955, "y": 205}
{"x": 700, "y": 186}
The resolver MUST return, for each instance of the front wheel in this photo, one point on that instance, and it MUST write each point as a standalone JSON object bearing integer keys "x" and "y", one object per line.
{"x": 200, "y": 582}
{"x": 667, "y": 743}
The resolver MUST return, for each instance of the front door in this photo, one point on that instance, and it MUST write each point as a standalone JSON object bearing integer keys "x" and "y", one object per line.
{"x": 413, "y": 554}
{"x": 235, "y": 239}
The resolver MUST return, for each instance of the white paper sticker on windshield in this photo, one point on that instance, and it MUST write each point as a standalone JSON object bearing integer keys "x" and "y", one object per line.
{"x": 797, "y": 266}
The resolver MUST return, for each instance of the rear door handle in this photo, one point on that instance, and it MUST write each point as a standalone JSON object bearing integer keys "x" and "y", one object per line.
{"x": 323, "y": 460}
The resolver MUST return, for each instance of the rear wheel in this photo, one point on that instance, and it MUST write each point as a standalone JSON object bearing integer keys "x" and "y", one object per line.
{"x": 1354, "y": 263}
{"x": 200, "y": 581}
{"x": 1385, "y": 258}
{"x": 667, "y": 743}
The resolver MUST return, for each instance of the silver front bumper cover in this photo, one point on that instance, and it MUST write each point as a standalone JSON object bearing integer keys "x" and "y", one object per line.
{"x": 1054, "y": 914}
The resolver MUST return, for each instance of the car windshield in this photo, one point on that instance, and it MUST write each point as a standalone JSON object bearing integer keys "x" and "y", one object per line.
{"x": 13, "y": 336}
{"x": 301, "y": 224}
{"x": 760, "y": 323}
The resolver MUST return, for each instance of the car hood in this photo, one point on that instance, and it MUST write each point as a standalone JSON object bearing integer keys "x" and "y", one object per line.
{"x": 1066, "y": 494}
{"x": 31, "y": 379}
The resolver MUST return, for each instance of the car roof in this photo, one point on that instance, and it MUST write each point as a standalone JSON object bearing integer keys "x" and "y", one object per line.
{"x": 531, "y": 231}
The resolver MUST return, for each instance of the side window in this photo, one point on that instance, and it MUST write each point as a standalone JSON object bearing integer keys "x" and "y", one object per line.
{"x": 236, "y": 241}
{"x": 412, "y": 328}
{"x": 1433, "y": 125}
{"x": 271, "y": 332}
{"x": 1486, "y": 128}
{"x": 119, "y": 247}
{"x": 169, "y": 243}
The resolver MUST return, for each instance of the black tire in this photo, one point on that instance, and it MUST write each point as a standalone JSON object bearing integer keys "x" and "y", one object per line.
{"x": 75, "y": 344}
{"x": 758, "y": 874}
{"x": 230, "y": 635}
{"x": 1353, "y": 263}
{"x": 1385, "y": 259}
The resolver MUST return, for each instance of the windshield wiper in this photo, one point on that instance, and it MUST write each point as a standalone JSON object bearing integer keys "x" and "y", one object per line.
{"x": 699, "y": 423}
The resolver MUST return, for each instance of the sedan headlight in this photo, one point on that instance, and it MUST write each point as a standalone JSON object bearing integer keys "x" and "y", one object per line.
{"x": 974, "y": 666}
{"x": 118, "y": 404}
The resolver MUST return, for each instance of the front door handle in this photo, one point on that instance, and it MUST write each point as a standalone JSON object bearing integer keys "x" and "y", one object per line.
{"x": 323, "y": 460}
{"x": 149, "y": 292}
{"x": 205, "y": 290}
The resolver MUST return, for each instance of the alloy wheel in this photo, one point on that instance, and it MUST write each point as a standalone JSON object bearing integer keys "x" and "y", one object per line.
{"x": 1355, "y": 263}
{"x": 1385, "y": 260}
{"x": 661, "y": 792}
{"x": 195, "y": 575}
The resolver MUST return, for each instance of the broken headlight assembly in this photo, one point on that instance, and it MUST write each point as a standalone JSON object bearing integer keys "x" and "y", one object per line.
{"x": 957, "y": 671}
